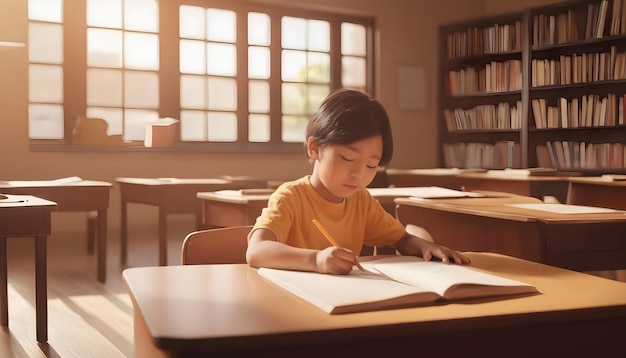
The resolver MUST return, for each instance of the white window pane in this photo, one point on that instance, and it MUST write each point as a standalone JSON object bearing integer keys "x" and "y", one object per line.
{"x": 193, "y": 126}
{"x": 258, "y": 29}
{"x": 222, "y": 94}
{"x": 222, "y": 127}
{"x": 318, "y": 67}
{"x": 294, "y": 128}
{"x": 315, "y": 96}
{"x": 45, "y": 43}
{"x": 192, "y": 57}
{"x": 45, "y": 10}
{"x": 353, "y": 73}
{"x": 45, "y": 83}
{"x": 221, "y": 25}
{"x": 193, "y": 92}
{"x": 259, "y": 62}
{"x": 353, "y": 39}
{"x": 294, "y": 66}
{"x": 104, "y": 87}
{"x": 45, "y": 121}
{"x": 104, "y": 48}
{"x": 141, "y": 51}
{"x": 318, "y": 35}
{"x": 259, "y": 128}
{"x": 259, "y": 97}
{"x": 294, "y": 98}
{"x": 135, "y": 122}
{"x": 141, "y": 90}
{"x": 113, "y": 116}
{"x": 141, "y": 15}
{"x": 191, "y": 22}
{"x": 221, "y": 59}
{"x": 293, "y": 33}
{"x": 104, "y": 13}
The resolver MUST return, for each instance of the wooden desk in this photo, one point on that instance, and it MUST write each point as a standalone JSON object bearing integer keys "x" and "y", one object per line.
{"x": 26, "y": 216}
{"x": 171, "y": 196}
{"x": 443, "y": 177}
{"x": 232, "y": 207}
{"x": 535, "y": 186}
{"x": 229, "y": 310}
{"x": 241, "y": 208}
{"x": 597, "y": 191}
{"x": 581, "y": 242}
{"x": 89, "y": 196}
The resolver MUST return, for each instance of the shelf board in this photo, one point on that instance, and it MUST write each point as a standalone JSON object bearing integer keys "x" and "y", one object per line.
{"x": 6, "y": 45}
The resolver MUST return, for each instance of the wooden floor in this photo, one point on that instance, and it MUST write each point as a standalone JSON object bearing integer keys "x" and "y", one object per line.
{"x": 86, "y": 318}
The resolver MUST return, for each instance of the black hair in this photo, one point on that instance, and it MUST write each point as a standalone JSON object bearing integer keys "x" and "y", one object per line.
{"x": 348, "y": 116}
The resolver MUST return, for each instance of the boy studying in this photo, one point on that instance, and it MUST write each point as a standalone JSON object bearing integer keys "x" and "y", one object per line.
{"x": 347, "y": 139}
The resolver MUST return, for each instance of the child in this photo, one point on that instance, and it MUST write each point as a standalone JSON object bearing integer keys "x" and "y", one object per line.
{"x": 347, "y": 139}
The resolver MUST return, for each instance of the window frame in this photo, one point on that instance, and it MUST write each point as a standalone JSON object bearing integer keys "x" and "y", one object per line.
{"x": 74, "y": 81}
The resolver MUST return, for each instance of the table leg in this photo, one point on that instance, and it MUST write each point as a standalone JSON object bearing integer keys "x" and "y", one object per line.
{"x": 123, "y": 232}
{"x": 92, "y": 219}
{"x": 4, "y": 297}
{"x": 102, "y": 244}
{"x": 41, "y": 288}
{"x": 162, "y": 238}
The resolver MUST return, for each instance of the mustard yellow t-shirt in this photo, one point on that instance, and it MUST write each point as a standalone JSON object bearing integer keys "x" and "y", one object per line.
{"x": 358, "y": 219}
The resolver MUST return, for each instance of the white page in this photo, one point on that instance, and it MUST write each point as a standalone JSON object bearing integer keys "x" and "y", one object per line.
{"x": 433, "y": 192}
{"x": 54, "y": 182}
{"x": 566, "y": 208}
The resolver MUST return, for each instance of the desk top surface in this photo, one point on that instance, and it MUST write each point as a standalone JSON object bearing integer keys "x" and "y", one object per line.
{"x": 512, "y": 177}
{"x": 173, "y": 181}
{"x": 55, "y": 183}
{"x": 23, "y": 201}
{"x": 503, "y": 208}
{"x": 601, "y": 181}
{"x": 230, "y": 305}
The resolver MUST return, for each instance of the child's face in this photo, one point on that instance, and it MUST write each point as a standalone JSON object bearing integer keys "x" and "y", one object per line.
{"x": 341, "y": 170}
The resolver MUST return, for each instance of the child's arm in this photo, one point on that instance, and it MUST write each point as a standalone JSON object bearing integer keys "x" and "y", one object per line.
{"x": 410, "y": 244}
{"x": 264, "y": 251}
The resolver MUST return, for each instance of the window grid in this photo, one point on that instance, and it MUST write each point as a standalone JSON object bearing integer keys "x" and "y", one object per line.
{"x": 256, "y": 116}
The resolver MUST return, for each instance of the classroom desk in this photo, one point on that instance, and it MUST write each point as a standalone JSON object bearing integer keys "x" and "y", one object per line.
{"x": 597, "y": 191}
{"x": 229, "y": 310}
{"x": 535, "y": 186}
{"x": 170, "y": 196}
{"x": 26, "y": 216}
{"x": 89, "y": 196}
{"x": 242, "y": 207}
{"x": 232, "y": 207}
{"x": 443, "y": 177}
{"x": 581, "y": 242}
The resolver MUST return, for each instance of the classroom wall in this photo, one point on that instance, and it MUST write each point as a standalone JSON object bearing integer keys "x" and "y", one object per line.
{"x": 406, "y": 31}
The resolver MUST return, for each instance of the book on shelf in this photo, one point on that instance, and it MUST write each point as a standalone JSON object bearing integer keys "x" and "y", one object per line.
{"x": 394, "y": 282}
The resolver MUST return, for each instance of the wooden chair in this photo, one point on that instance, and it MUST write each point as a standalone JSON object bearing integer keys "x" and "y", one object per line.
{"x": 216, "y": 246}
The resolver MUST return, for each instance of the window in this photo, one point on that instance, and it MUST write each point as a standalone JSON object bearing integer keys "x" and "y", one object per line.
{"x": 239, "y": 77}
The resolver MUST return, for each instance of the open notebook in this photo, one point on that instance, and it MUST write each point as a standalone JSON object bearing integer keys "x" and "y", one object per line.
{"x": 396, "y": 281}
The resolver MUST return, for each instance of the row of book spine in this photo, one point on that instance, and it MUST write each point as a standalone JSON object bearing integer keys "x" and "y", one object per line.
{"x": 487, "y": 40}
{"x": 583, "y": 68}
{"x": 500, "y": 116}
{"x": 581, "y": 155}
{"x": 586, "y": 111}
{"x": 502, "y": 154}
{"x": 494, "y": 77}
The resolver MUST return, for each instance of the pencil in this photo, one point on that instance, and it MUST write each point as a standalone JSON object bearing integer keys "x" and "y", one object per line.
{"x": 332, "y": 241}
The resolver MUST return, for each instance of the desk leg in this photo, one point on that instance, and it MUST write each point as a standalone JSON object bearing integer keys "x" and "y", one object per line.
{"x": 41, "y": 288}
{"x": 102, "y": 245}
{"x": 4, "y": 297}
{"x": 162, "y": 238}
{"x": 92, "y": 219}
{"x": 123, "y": 232}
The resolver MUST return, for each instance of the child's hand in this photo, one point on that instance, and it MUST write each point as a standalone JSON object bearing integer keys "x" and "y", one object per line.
{"x": 446, "y": 255}
{"x": 334, "y": 260}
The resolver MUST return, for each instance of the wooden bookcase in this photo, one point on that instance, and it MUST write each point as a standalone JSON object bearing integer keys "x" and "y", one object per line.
{"x": 513, "y": 88}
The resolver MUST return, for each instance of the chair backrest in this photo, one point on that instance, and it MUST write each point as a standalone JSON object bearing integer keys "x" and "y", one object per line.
{"x": 216, "y": 246}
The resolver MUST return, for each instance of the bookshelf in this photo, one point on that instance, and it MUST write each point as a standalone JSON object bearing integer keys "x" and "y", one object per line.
{"x": 541, "y": 87}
